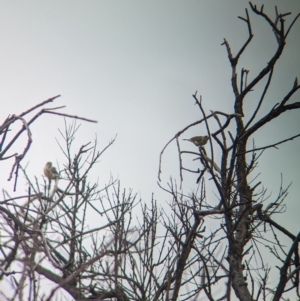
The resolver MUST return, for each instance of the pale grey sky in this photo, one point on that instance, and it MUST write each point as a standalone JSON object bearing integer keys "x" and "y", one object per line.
{"x": 133, "y": 66}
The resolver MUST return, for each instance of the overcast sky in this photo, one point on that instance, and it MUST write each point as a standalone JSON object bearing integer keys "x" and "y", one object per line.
{"x": 133, "y": 66}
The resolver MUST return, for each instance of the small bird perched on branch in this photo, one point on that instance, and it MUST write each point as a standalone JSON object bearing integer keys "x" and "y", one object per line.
{"x": 50, "y": 172}
{"x": 198, "y": 140}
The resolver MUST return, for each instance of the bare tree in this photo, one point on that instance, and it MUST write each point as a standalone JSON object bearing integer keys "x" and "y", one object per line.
{"x": 242, "y": 214}
{"x": 85, "y": 242}
{"x": 7, "y": 142}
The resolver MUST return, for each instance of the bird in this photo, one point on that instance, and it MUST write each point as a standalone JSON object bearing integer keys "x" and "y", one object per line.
{"x": 50, "y": 172}
{"x": 198, "y": 140}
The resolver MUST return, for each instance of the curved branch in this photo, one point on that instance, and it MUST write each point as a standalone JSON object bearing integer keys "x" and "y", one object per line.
{"x": 272, "y": 115}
